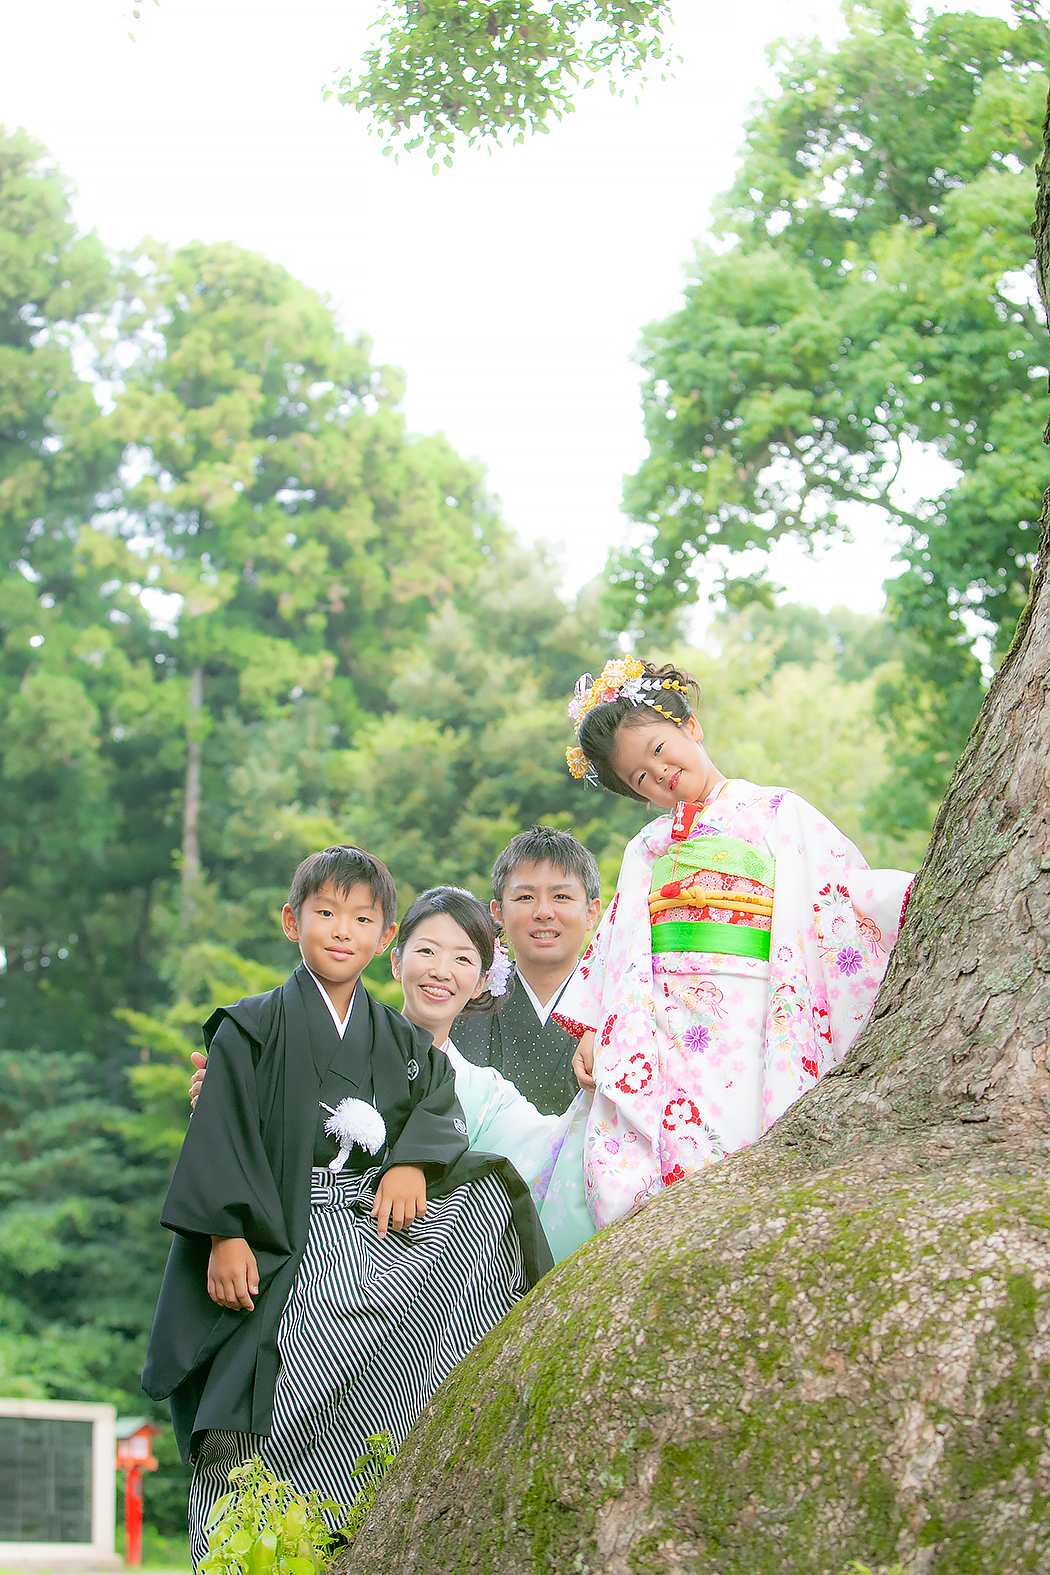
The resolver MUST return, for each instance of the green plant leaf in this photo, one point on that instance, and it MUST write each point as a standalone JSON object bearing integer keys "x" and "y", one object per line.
{"x": 219, "y": 1508}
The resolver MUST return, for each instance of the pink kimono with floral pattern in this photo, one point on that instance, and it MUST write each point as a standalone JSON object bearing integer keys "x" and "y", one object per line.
{"x": 698, "y": 1052}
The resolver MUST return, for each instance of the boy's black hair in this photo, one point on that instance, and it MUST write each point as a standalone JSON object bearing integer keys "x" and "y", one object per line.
{"x": 345, "y": 866}
{"x": 545, "y": 845}
{"x": 473, "y": 918}
{"x": 599, "y": 728}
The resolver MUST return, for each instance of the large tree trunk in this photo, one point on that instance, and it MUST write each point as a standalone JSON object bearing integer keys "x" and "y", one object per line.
{"x": 191, "y": 801}
{"x": 835, "y": 1345}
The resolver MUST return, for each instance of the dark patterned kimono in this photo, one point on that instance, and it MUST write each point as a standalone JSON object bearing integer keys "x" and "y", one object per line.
{"x": 536, "y": 1057}
{"x": 351, "y": 1333}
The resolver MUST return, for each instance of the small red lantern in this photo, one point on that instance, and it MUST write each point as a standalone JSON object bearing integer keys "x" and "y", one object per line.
{"x": 135, "y": 1435}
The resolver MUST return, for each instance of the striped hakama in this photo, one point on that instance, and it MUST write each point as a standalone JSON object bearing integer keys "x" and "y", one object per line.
{"x": 371, "y": 1328}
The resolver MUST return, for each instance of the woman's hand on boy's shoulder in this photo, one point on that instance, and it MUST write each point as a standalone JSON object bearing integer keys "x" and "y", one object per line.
{"x": 200, "y": 1061}
{"x": 233, "y": 1274}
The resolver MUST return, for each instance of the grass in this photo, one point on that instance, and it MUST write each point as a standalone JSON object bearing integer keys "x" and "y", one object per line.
{"x": 159, "y": 1553}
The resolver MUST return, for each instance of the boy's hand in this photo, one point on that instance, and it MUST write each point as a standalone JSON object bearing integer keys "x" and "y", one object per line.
{"x": 200, "y": 1061}
{"x": 401, "y": 1197}
{"x": 583, "y": 1061}
{"x": 233, "y": 1274}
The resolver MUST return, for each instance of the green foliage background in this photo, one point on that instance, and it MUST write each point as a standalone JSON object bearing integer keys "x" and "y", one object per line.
{"x": 198, "y": 471}
{"x": 451, "y": 72}
{"x": 870, "y": 288}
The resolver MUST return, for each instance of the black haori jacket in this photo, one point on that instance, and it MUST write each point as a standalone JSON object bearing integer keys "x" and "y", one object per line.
{"x": 244, "y": 1170}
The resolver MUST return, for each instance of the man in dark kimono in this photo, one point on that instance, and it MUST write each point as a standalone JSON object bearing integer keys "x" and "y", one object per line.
{"x": 546, "y": 893}
{"x": 290, "y": 1324}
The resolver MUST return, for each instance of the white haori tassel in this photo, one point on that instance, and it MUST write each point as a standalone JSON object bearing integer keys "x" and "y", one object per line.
{"x": 352, "y": 1123}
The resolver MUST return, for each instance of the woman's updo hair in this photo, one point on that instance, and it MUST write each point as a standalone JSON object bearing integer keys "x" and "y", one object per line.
{"x": 600, "y": 727}
{"x": 473, "y": 918}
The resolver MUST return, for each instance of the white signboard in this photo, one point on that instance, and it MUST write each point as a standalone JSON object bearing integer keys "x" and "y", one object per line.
{"x": 56, "y": 1485}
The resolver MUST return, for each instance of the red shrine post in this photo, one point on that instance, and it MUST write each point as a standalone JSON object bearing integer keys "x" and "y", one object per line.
{"x": 135, "y": 1437}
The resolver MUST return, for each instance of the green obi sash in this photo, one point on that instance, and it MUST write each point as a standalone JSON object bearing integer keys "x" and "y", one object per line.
{"x": 721, "y": 855}
{"x": 724, "y": 855}
{"x": 705, "y": 935}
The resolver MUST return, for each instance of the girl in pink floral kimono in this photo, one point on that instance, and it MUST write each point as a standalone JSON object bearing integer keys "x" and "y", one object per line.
{"x": 738, "y": 960}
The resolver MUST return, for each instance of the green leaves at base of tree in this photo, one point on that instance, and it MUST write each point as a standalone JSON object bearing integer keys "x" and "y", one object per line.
{"x": 466, "y": 70}
{"x": 263, "y": 1527}
{"x": 373, "y": 1465}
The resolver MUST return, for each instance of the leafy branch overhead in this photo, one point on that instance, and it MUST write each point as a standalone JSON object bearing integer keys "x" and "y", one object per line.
{"x": 448, "y": 70}
{"x": 870, "y": 307}
{"x": 877, "y": 289}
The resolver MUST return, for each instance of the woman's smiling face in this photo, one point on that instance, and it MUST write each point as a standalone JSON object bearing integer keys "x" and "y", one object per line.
{"x": 665, "y": 763}
{"x": 440, "y": 971}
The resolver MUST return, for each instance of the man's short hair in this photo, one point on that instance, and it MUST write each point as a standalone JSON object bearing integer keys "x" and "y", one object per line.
{"x": 345, "y": 867}
{"x": 545, "y": 845}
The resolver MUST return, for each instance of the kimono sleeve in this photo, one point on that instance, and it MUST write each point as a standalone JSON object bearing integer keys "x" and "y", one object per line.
{"x": 223, "y": 1184}
{"x": 500, "y": 1120}
{"x": 435, "y": 1134}
{"x": 835, "y": 922}
{"x": 620, "y": 950}
{"x": 579, "y": 1011}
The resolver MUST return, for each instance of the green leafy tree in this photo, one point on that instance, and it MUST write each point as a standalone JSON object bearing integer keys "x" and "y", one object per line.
{"x": 468, "y": 748}
{"x": 876, "y": 292}
{"x": 449, "y": 71}
{"x": 305, "y": 533}
{"x": 80, "y": 1253}
{"x": 83, "y": 786}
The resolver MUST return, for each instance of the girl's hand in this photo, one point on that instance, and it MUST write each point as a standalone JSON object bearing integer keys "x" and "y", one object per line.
{"x": 583, "y": 1061}
{"x": 200, "y": 1061}
{"x": 233, "y": 1274}
{"x": 401, "y": 1197}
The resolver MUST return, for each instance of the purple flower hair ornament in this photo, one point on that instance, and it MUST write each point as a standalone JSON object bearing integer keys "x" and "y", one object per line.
{"x": 500, "y": 971}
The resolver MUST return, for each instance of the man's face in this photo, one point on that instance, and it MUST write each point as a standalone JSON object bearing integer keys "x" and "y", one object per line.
{"x": 546, "y": 915}
{"x": 339, "y": 932}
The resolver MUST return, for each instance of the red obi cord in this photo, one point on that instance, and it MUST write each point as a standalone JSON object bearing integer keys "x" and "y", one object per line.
{"x": 682, "y": 821}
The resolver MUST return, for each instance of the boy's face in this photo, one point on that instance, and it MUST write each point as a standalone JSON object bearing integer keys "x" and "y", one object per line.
{"x": 546, "y": 915}
{"x": 339, "y": 932}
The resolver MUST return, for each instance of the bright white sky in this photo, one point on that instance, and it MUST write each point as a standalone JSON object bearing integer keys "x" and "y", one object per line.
{"x": 511, "y": 289}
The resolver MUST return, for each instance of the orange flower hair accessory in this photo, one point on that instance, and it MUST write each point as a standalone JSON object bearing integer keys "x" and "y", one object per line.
{"x": 620, "y": 676}
{"x": 578, "y": 764}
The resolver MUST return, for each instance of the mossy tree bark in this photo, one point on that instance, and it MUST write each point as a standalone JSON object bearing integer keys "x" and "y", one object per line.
{"x": 835, "y": 1345}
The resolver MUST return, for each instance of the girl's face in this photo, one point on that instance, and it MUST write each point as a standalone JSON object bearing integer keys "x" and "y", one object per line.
{"x": 439, "y": 970}
{"x": 665, "y": 763}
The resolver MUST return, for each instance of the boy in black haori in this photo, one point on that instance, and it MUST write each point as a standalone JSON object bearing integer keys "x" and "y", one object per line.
{"x": 291, "y": 1323}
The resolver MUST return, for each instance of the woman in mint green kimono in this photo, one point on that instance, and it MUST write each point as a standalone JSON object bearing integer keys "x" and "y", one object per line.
{"x": 447, "y": 960}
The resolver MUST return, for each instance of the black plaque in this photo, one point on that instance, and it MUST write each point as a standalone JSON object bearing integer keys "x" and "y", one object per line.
{"x": 45, "y": 1479}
